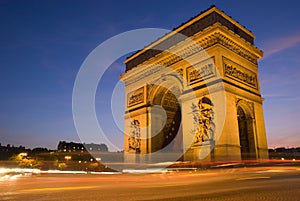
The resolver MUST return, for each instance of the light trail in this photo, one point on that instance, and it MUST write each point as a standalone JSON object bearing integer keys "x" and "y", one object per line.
{"x": 251, "y": 178}
{"x": 58, "y": 188}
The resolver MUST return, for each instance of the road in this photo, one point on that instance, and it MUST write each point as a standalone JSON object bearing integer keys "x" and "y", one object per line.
{"x": 257, "y": 183}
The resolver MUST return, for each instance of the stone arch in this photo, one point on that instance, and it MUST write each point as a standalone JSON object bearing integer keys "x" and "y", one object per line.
{"x": 171, "y": 82}
{"x": 166, "y": 92}
{"x": 245, "y": 116}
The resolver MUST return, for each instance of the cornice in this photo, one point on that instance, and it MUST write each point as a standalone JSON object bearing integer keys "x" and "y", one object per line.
{"x": 190, "y": 23}
{"x": 170, "y": 57}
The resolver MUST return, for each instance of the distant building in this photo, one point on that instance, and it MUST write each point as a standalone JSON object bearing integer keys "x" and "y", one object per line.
{"x": 64, "y": 146}
{"x": 80, "y": 156}
{"x": 96, "y": 147}
{"x": 283, "y": 153}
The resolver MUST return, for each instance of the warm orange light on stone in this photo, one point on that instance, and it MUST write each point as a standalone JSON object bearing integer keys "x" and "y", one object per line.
{"x": 232, "y": 53}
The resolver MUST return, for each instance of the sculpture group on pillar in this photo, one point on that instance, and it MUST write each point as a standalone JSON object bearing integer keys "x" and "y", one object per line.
{"x": 134, "y": 139}
{"x": 203, "y": 116}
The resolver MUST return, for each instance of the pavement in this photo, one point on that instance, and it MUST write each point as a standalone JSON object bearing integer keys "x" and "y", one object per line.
{"x": 246, "y": 183}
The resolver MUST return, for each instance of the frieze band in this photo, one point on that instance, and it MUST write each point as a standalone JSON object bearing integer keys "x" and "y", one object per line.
{"x": 239, "y": 73}
{"x": 201, "y": 71}
{"x": 136, "y": 97}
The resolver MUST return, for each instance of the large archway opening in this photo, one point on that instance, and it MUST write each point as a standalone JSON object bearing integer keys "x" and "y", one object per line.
{"x": 169, "y": 137}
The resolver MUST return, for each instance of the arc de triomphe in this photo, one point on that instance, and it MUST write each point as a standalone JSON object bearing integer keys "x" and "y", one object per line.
{"x": 188, "y": 103}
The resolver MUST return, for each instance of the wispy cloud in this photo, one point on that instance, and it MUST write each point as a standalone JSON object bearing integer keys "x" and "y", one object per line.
{"x": 280, "y": 44}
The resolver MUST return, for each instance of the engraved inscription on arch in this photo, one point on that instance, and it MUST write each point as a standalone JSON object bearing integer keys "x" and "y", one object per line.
{"x": 136, "y": 97}
{"x": 200, "y": 71}
{"x": 239, "y": 73}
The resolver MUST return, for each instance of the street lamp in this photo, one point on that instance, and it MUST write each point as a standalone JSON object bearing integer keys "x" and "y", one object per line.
{"x": 23, "y": 154}
{"x": 68, "y": 157}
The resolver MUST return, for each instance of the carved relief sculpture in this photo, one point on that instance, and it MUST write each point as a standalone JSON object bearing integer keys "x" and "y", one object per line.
{"x": 134, "y": 139}
{"x": 203, "y": 116}
{"x": 239, "y": 73}
{"x": 136, "y": 97}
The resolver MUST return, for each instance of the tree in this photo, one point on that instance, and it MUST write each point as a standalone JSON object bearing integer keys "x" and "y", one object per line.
{"x": 24, "y": 161}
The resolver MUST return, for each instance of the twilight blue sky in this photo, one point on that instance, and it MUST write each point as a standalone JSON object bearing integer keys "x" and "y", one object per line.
{"x": 43, "y": 44}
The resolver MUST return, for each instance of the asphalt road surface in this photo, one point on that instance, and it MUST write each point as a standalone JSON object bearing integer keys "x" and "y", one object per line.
{"x": 263, "y": 183}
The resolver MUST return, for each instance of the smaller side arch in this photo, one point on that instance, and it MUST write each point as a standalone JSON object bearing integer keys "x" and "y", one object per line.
{"x": 246, "y": 129}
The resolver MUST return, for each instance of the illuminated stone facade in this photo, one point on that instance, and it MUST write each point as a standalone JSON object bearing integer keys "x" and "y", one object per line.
{"x": 172, "y": 94}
